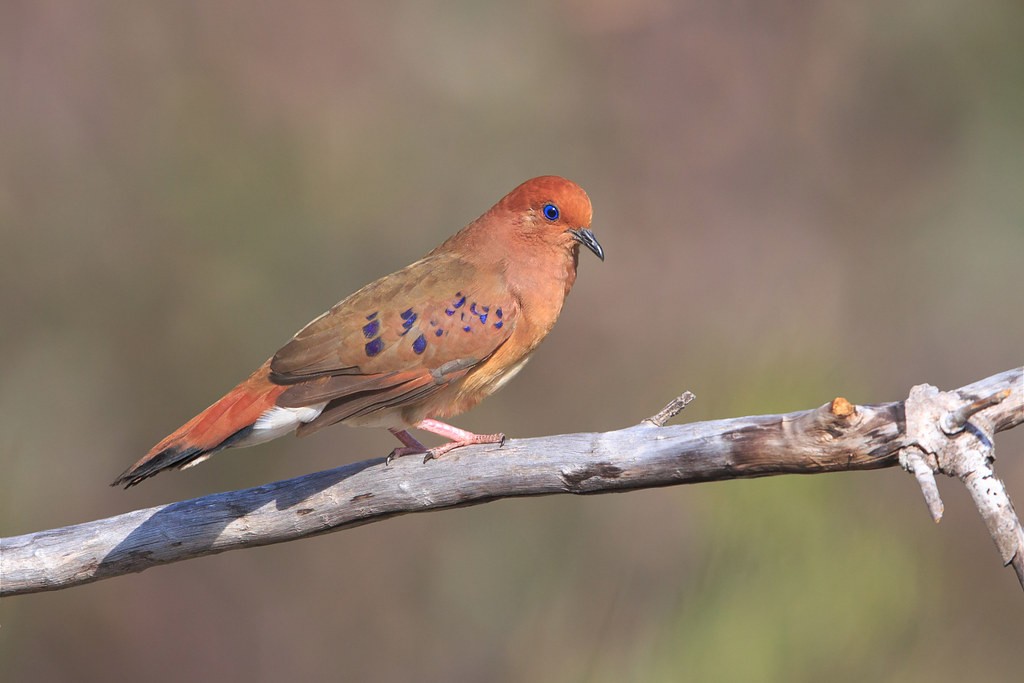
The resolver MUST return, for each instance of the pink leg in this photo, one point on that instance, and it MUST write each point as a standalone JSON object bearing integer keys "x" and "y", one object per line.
{"x": 459, "y": 437}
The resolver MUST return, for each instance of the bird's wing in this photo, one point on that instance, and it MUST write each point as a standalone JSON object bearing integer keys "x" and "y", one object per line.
{"x": 398, "y": 340}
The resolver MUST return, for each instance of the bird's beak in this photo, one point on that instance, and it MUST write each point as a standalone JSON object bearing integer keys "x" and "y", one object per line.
{"x": 587, "y": 239}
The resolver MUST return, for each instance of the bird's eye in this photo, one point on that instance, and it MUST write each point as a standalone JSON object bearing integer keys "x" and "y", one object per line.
{"x": 551, "y": 212}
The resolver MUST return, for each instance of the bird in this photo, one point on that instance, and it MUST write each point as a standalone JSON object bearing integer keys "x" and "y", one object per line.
{"x": 416, "y": 347}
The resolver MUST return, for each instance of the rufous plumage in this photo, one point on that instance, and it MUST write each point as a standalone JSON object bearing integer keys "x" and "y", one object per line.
{"x": 413, "y": 348}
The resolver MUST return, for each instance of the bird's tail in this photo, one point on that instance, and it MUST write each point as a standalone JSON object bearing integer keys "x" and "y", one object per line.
{"x": 226, "y": 423}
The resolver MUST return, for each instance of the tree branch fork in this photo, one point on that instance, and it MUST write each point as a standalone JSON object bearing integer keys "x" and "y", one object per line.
{"x": 930, "y": 432}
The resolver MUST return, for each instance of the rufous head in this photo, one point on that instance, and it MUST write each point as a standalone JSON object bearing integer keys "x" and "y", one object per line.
{"x": 554, "y": 208}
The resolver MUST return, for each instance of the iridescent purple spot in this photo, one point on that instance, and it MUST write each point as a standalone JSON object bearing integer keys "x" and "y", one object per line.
{"x": 497, "y": 325}
{"x": 466, "y": 328}
{"x": 419, "y": 344}
{"x": 483, "y": 318}
{"x": 498, "y": 313}
{"x": 438, "y": 332}
{"x": 371, "y": 329}
{"x": 372, "y": 315}
{"x": 486, "y": 309}
{"x": 449, "y": 311}
{"x": 374, "y": 347}
{"x": 472, "y": 308}
{"x": 409, "y": 322}
{"x": 406, "y": 314}
{"x": 459, "y": 303}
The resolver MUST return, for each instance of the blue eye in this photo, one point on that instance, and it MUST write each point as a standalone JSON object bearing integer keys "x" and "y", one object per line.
{"x": 551, "y": 212}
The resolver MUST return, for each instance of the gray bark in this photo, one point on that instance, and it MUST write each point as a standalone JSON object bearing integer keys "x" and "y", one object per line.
{"x": 838, "y": 436}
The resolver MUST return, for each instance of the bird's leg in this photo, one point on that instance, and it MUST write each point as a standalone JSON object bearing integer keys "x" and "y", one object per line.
{"x": 459, "y": 438}
{"x": 410, "y": 445}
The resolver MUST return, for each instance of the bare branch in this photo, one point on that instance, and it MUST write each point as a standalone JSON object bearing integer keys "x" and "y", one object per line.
{"x": 838, "y": 436}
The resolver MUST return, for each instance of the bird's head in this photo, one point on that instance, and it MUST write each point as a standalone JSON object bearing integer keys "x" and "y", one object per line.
{"x": 554, "y": 210}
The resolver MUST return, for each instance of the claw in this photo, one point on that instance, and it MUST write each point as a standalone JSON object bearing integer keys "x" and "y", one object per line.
{"x": 404, "y": 450}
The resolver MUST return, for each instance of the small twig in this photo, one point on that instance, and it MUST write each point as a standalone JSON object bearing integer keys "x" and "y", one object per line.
{"x": 915, "y": 461}
{"x": 954, "y": 422}
{"x": 674, "y": 407}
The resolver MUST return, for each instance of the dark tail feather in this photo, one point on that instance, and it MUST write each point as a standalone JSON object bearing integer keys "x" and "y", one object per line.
{"x": 222, "y": 425}
{"x": 174, "y": 457}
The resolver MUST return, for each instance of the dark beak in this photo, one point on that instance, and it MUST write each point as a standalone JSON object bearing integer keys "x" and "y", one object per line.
{"x": 587, "y": 239}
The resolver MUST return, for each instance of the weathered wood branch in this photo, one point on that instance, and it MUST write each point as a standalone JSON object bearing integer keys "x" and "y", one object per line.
{"x": 838, "y": 436}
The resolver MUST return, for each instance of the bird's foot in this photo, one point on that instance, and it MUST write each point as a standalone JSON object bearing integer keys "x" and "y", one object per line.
{"x": 404, "y": 450}
{"x": 459, "y": 443}
{"x": 459, "y": 438}
{"x": 411, "y": 445}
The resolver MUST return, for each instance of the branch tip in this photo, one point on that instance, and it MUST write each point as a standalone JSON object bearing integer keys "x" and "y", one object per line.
{"x": 1017, "y": 562}
{"x": 914, "y": 461}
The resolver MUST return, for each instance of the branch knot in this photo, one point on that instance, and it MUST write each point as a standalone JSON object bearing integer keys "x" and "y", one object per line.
{"x": 942, "y": 437}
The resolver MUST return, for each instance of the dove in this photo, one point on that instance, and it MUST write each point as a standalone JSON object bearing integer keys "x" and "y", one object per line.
{"x": 416, "y": 347}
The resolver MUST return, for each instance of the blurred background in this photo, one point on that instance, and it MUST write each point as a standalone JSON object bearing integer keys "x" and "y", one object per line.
{"x": 797, "y": 201}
